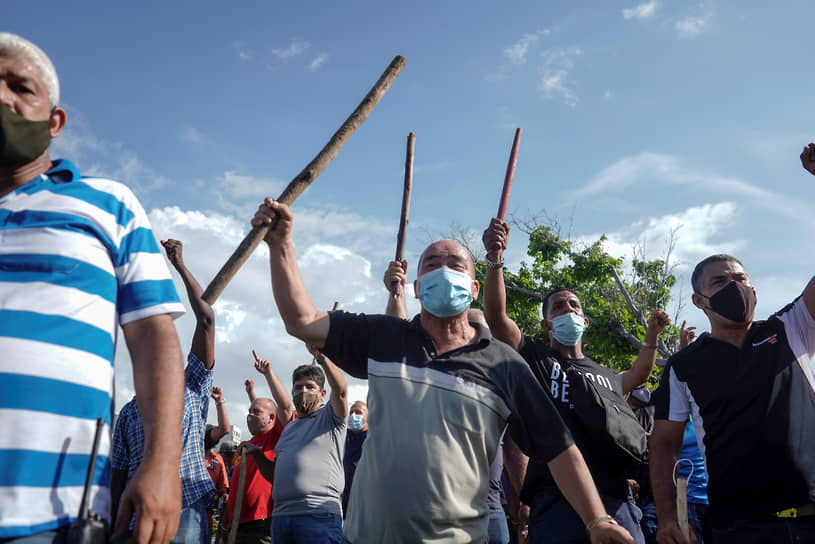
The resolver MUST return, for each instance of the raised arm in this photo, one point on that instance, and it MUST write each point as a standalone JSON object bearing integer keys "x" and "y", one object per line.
{"x": 279, "y": 393}
{"x": 154, "y": 491}
{"x": 336, "y": 379}
{"x": 293, "y": 301}
{"x": 203, "y": 340}
{"x": 223, "y": 418}
{"x": 249, "y": 385}
{"x": 503, "y": 328}
{"x": 396, "y": 273}
{"x": 644, "y": 364}
{"x": 664, "y": 447}
{"x": 808, "y": 162}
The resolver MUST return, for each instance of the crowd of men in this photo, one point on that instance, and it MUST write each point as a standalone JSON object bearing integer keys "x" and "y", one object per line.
{"x": 448, "y": 389}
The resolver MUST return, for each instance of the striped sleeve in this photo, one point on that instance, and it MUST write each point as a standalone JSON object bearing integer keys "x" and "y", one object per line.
{"x": 145, "y": 287}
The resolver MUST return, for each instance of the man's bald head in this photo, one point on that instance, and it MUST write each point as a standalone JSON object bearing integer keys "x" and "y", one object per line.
{"x": 446, "y": 253}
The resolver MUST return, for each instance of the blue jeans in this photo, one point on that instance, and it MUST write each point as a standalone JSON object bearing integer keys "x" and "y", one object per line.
{"x": 773, "y": 531}
{"x": 498, "y": 530}
{"x": 307, "y": 529}
{"x": 552, "y": 520}
{"x": 193, "y": 527}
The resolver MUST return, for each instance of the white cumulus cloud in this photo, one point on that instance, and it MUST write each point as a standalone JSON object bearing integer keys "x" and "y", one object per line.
{"x": 642, "y": 11}
{"x": 555, "y": 83}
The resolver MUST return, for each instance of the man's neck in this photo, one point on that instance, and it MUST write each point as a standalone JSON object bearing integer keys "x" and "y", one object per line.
{"x": 448, "y": 333}
{"x": 12, "y": 178}
{"x": 567, "y": 352}
{"x": 734, "y": 335}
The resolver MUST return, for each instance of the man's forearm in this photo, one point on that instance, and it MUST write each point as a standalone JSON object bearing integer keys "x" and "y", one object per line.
{"x": 574, "y": 480}
{"x": 158, "y": 377}
{"x": 396, "y": 306}
{"x": 293, "y": 301}
{"x": 661, "y": 464}
{"x": 223, "y": 419}
{"x": 265, "y": 466}
{"x": 495, "y": 309}
{"x": 515, "y": 463}
{"x": 280, "y": 395}
{"x": 339, "y": 388}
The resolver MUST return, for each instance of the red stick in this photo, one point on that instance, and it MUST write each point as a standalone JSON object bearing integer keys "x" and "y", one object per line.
{"x": 513, "y": 160}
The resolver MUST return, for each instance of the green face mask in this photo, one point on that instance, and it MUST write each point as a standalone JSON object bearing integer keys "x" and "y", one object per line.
{"x": 21, "y": 140}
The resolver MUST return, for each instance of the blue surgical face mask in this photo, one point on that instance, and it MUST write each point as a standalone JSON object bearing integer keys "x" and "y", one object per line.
{"x": 445, "y": 292}
{"x": 568, "y": 328}
{"x": 355, "y": 422}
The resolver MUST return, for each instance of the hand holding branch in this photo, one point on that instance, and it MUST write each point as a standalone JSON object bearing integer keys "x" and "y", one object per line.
{"x": 495, "y": 239}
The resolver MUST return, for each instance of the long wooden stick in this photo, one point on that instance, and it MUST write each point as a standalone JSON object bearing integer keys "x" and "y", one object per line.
{"x": 510, "y": 175}
{"x": 304, "y": 178}
{"x": 403, "y": 220}
{"x": 236, "y": 512}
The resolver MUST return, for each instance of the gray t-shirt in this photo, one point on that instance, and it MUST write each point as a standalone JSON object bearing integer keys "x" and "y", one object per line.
{"x": 308, "y": 474}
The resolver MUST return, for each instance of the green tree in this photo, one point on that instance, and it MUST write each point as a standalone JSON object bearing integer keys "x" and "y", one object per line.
{"x": 618, "y": 308}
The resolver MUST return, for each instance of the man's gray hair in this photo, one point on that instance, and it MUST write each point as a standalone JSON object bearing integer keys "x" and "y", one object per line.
{"x": 14, "y": 45}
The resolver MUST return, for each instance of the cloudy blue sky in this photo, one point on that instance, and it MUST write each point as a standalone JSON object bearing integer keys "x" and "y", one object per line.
{"x": 638, "y": 119}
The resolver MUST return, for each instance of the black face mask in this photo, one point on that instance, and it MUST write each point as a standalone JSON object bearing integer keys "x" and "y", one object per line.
{"x": 21, "y": 140}
{"x": 736, "y": 301}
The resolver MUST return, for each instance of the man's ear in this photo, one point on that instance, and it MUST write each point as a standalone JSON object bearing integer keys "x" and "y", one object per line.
{"x": 474, "y": 289}
{"x": 322, "y": 394}
{"x": 416, "y": 288}
{"x": 58, "y": 120}
{"x": 698, "y": 301}
{"x": 546, "y": 325}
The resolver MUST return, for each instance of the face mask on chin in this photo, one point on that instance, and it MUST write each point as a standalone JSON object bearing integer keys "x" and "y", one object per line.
{"x": 445, "y": 292}
{"x": 21, "y": 140}
{"x": 306, "y": 402}
{"x": 735, "y": 301}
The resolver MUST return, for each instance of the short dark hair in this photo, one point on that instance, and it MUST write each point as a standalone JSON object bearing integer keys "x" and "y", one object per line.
{"x": 696, "y": 278}
{"x": 545, "y": 307}
{"x": 310, "y": 372}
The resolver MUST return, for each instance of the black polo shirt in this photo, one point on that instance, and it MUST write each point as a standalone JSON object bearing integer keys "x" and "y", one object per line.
{"x": 754, "y": 412}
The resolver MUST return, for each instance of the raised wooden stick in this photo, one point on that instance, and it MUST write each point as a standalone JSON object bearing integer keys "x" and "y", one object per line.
{"x": 513, "y": 160}
{"x": 236, "y": 512}
{"x": 403, "y": 220}
{"x": 304, "y": 178}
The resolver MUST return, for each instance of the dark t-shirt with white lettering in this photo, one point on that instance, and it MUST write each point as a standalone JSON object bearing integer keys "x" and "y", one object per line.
{"x": 607, "y": 466}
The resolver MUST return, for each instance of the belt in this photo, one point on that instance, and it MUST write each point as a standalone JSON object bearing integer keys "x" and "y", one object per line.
{"x": 800, "y": 512}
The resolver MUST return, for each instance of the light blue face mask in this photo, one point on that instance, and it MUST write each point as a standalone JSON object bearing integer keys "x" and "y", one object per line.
{"x": 355, "y": 422}
{"x": 445, "y": 292}
{"x": 568, "y": 328}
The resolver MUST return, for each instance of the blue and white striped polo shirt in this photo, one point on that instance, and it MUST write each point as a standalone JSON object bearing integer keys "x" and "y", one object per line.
{"x": 77, "y": 258}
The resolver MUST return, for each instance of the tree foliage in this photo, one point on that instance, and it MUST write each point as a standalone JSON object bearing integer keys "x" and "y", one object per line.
{"x": 617, "y": 306}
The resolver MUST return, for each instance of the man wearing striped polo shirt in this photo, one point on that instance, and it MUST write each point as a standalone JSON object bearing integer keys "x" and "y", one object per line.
{"x": 77, "y": 259}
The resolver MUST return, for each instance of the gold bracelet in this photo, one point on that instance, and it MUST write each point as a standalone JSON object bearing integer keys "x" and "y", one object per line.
{"x": 220, "y": 402}
{"x": 596, "y": 521}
